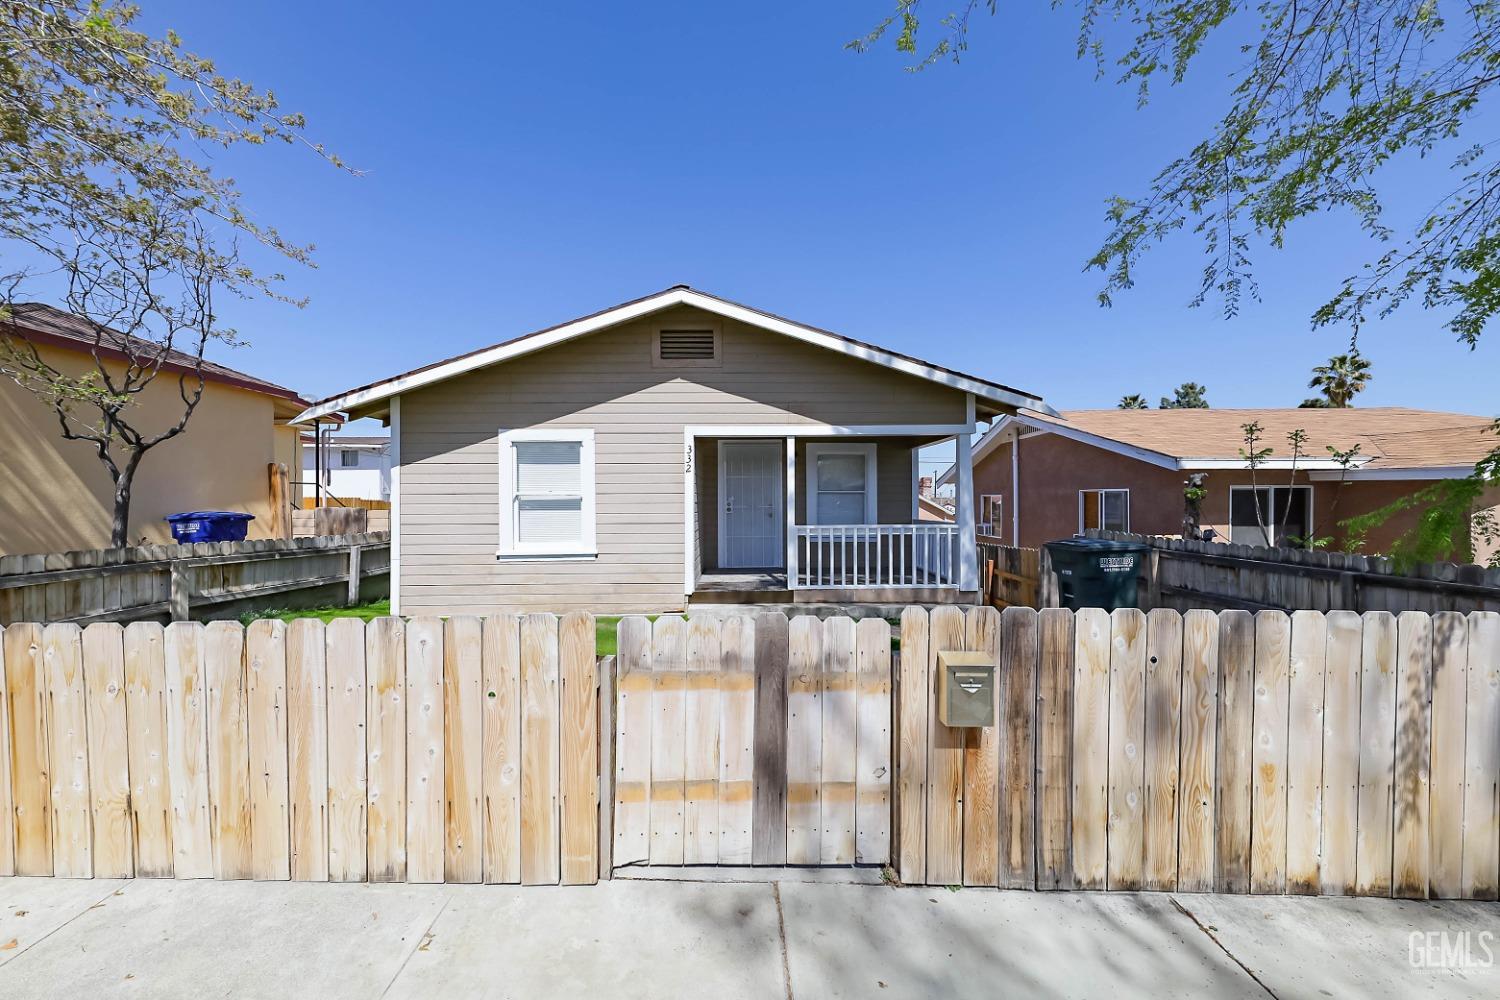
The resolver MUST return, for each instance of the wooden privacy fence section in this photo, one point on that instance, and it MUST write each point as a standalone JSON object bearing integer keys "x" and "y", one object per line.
{"x": 1009, "y": 576}
{"x": 426, "y": 750}
{"x": 1337, "y": 754}
{"x": 753, "y": 741}
{"x": 1185, "y": 574}
{"x": 201, "y": 580}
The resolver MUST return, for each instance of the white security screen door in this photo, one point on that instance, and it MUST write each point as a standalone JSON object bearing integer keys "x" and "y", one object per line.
{"x": 751, "y": 498}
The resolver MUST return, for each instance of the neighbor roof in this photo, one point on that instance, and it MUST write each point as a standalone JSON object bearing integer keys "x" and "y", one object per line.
{"x": 1005, "y": 397}
{"x": 44, "y": 324}
{"x": 1394, "y": 441}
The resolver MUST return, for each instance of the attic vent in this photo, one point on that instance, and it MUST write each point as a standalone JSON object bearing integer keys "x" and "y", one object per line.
{"x": 687, "y": 348}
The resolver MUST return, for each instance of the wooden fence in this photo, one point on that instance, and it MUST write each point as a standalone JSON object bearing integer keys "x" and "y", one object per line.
{"x": 759, "y": 741}
{"x": 1185, "y": 574}
{"x": 202, "y": 580}
{"x": 427, "y": 750}
{"x": 1009, "y": 576}
{"x": 1338, "y": 754}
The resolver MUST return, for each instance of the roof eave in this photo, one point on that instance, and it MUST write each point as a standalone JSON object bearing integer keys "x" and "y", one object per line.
{"x": 1005, "y": 400}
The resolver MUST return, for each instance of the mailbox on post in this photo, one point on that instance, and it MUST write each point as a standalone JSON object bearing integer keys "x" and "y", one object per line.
{"x": 965, "y": 689}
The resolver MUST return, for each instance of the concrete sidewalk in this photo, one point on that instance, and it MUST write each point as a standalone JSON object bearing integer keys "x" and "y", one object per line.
{"x": 789, "y": 938}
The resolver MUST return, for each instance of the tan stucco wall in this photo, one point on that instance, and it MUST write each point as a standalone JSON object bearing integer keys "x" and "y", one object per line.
{"x": 56, "y": 496}
{"x": 1053, "y": 469}
{"x": 449, "y": 478}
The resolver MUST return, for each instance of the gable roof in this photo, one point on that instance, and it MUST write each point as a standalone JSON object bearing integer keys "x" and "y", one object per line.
{"x": 44, "y": 324}
{"x": 1394, "y": 442}
{"x": 1000, "y": 397}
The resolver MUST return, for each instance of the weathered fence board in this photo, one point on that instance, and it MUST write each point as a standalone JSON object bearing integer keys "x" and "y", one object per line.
{"x": 1269, "y": 752}
{"x": 945, "y": 763}
{"x": 911, "y": 767}
{"x": 1054, "y": 782}
{"x": 1091, "y": 632}
{"x": 540, "y": 752}
{"x": 1127, "y": 738}
{"x": 1304, "y": 765}
{"x": 307, "y": 748}
{"x": 108, "y": 751}
{"x": 1450, "y": 693}
{"x": 205, "y": 579}
{"x": 981, "y": 813}
{"x": 1015, "y": 645}
{"x": 1341, "y": 740}
{"x": 633, "y": 729}
{"x": 266, "y": 700}
{"x": 1481, "y": 870}
{"x": 348, "y": 753}
{"x": 67, "y": 751}
{"x": 873, "y": 741}
{"x": 146, "y": 749}
{"x": 385, "y": 689}
{"x": 668, "y": 738}
{"x": 736, "y": 776}
{"x": 1163, "y": 737}
{"x": 700, "y": 769}
{"x": 1199, "y": 758}
{"x": 804, "y": 741}
{"x": 578, "y": 752}
{"x": 463, "y": 749}
{"x": 501, "y": 770}
{"x": 1377, "y": 755}
{"x": 838, "y": 763}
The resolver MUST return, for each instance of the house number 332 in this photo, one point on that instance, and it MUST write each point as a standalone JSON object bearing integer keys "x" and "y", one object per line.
{"x": 688, "y": 461}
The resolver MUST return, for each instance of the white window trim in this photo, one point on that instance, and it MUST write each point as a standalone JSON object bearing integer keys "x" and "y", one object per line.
{"x": 815, "y": 451}
{"x": 1104, "y": 489}
{"x": 1312, "y": 526}
{"x": 510, "y": 549}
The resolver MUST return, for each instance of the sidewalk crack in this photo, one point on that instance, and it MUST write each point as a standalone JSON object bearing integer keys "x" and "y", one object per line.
{"x": 65, "y": 923}
{"x": 422, "y": 939}
{"x": 786, "y": 965}
{"x": 1215, "y": 939}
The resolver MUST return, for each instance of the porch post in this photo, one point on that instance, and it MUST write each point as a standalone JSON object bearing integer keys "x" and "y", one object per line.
{"x": 968, "y": 543}
{"x": 791, "y": 513}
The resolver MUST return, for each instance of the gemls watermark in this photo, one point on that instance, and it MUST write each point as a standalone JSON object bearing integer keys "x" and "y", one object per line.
{"x": 1451, "y": 950}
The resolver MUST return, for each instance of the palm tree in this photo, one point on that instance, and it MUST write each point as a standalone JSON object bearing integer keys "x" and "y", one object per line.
{"x": 1342, "y": 378}
{"x": 1134, "y": 401}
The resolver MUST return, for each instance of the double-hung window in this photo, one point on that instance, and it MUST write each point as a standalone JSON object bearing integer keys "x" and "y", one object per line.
{"x": 841, "y": 483}
{"x": 547, "y": 493}
{"x": 1105, "y": 509}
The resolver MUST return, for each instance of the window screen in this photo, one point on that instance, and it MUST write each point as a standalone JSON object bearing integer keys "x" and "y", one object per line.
{"x": 842, "y": 488}
{"x": 549, "y": 492}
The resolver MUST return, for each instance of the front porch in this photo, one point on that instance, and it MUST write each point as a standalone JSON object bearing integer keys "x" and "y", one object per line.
{"x": 812, "y": 518}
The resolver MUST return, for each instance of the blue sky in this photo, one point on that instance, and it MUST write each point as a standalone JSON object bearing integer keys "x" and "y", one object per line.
{"x": 525, "y": 164}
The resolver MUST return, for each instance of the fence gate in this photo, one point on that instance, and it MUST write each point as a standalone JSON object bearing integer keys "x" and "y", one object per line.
{"x": 753, "y": 740}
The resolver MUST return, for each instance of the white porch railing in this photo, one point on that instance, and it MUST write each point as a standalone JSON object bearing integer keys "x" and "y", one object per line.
{"x": 874, "y": 555}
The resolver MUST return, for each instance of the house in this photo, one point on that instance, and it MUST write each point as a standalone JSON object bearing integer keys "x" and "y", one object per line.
{"x": 1039, "y": 477}
{"x": 679, "y": 448}
{"x": 56, "y": 496}
{"x": 348, "y": 466}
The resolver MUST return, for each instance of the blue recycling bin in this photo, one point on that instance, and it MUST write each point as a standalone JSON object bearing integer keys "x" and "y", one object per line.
{"x": 209, "y": 526}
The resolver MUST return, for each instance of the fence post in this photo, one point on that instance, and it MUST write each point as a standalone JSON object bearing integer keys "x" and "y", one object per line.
{"x": 353, "y": 575}
{"x": 606, "y": 678}
{"x": 181, "y": 591}
{"x": 1153, "y": 579}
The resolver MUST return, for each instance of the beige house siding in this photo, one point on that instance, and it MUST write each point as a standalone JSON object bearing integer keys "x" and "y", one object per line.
{"x": 449, "y": 505}
{"x": 56, "y": 496}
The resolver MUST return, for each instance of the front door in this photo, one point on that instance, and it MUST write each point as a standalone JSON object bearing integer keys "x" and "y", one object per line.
{"x": 751, "y": 498}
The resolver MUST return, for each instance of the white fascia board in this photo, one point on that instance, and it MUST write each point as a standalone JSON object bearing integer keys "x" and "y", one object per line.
{"x": 1270, "y": 464}
{"x": 1375, "y": 475}
{"x": 622, "y": 314}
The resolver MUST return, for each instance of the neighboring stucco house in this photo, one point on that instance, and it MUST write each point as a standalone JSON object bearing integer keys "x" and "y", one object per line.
{"x": 352, "y": 466}
{"x": 55, "y": 495}
{"x": 1039, "y": 477}
{"x": 677, "y": 448}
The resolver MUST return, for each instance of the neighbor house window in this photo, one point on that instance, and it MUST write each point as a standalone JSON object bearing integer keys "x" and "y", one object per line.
{"x": 990, "y": 516}
{"x": 1270, "y": 515}
{"x": 348, "y": 459}
{"x": 547, "y": 493}
{"x": 841, "y": 483}
{"x": 1108, "y": 510}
